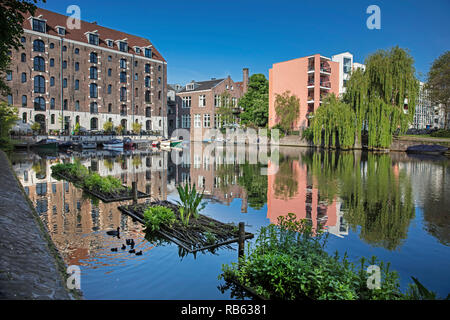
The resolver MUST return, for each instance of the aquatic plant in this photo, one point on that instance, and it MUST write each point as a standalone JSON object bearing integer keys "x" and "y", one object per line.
{"x": 190, "y": 203}
{"x": 156, "y": 216}
{"x": 289, "y": 261}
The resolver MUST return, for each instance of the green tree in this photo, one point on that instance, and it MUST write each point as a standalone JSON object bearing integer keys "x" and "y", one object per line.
{"x": 108, "y": 126}
{"x": 255, "y": 103}
{"x": 36, "y": 127}
{"x": 439, "y": 83}
{"x": 137, "y": 127}
{"x": 12, "y": 16}
{"x": 378, "y": 96}
{"x": 287, "y": 108}
{"x": 8, "y": 118}
{"x": 334, "y": 121}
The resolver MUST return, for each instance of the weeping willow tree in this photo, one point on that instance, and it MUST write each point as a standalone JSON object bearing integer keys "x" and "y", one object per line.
{"x": 334, "y": 122}
{"x": 378, "y": 96}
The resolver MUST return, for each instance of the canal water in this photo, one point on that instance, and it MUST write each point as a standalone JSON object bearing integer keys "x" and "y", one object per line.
{"x": 393, "y": 206}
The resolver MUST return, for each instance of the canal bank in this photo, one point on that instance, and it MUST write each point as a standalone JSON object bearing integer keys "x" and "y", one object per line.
{"x": 30, "y": 266}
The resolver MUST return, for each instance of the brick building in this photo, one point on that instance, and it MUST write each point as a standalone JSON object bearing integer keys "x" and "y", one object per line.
{"x": 201, "y": 99}
{"x": 88, "y": 75}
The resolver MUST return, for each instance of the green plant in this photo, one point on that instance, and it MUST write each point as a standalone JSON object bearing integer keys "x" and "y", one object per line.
{"x": 137, "y": 127}
{"x": 156, "y": 216}
{"x": 210, "y": 238}
{"x": 287, "y": 108}
{"x": 190, "y": 203}
{"x": 441, "y": 134}
{"x": 108, "y": 126}
{"x": 308, "y": 134}
{"x": 289, "y": 261}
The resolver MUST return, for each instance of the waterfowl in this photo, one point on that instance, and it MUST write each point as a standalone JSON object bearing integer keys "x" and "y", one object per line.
{"x": 123, "y": 247}
{"x": 114, "y": 233}
{"x": 132, "y": 251}
{"x": 139, "y": 253}
{"x": 128, "y": 242}
{"x": 114, "y": 249}
{"x": 132, "y": 243}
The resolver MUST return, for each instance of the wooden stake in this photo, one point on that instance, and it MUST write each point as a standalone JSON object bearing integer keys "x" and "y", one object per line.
{"x": 134, "y": 190}
{"x": 241, "y": 240}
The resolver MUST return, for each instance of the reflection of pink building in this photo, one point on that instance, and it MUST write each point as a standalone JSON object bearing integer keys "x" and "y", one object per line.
{"x": 305, "y": 204}
{"x": 309, "y": 78}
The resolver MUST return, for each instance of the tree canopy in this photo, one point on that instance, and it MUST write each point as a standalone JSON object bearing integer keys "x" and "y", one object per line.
{"x": 287, "y": 108}
{"x": 11, "y": 18}
{"x": 439, "y": 83}
{"x": 255, "y": 103}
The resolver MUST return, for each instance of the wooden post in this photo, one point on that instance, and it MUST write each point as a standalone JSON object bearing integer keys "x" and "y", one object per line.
{"x": 241, "y": 238}
{"x": 134, "y": 190}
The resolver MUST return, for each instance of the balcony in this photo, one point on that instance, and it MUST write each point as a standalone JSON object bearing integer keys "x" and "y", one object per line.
{"x": 325, "y": 84}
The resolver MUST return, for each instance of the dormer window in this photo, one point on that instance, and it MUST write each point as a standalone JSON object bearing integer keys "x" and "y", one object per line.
{"x": 93, "y": 39}
{"x": 137, "y": 50}
{"x": 110, "y": 43}
{"x": 123, "y": 46}
{"x": 148, "y": 52}
{"x": 190, "y": 86}
{"x": 39, "y": 25}
{"x": 61, "y": 31}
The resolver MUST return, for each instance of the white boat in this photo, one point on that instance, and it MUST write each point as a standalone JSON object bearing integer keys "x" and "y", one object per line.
{"x": 113, "y": 144}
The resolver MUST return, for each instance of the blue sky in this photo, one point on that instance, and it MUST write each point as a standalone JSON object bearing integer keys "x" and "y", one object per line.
{"x": 212, "y": 39}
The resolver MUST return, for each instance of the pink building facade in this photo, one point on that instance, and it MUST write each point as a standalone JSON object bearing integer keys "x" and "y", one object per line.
{"x": 309, "y": 78}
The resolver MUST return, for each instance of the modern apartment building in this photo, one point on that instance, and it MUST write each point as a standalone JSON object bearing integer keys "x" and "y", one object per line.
{"x": 88, "y": 75}
{"x": 201, "y": 99}
{"x": 309, "y": 78}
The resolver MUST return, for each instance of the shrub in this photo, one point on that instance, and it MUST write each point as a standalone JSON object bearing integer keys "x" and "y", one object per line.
{"x": 308, "y": 134}
{"x": 289, "y": 262}
{"x": 156, "y": 216}
{"x": 441, "y": 133}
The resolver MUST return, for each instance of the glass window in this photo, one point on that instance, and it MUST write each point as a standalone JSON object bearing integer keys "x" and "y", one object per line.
{"x": 186, "y": 102}
{"x": 147, "y": 68}
{"x": 38, "y": 46}
{"x": 77, "y": 84}
{"x": 93, "y": 58}
{"x": 93, "y": 39}
{"x": 93, "y": 73}
{"x": 64, "y": 48}
{"x": 23, "y": 39}
{"x": 94, "y": 107}
{"x": 148, "y": 53}
{"x": 123, "y": 77}
{"x": 39, "y": 64}
{"x": 109, "y": 89}
{"x": 147, "y": 82}
{"x": 52, "y": 103}
{"x": 39, "y": 104}
{"x": 123, "y": 46}
{"x": 77, "y": 106}
{"x": 24, "y": 103}
{"x": 123, "y": 63}
{"x": 39, "y": 25}
{"x": 64, "y": 64}
{"x": 52, "y": 121}
{"x": 52, "y": 81}
{"x": 23, "y": 57}
{"x": 62, "y": 31}
{"x": 77, "y": 51}
{"x": 202, "y": 100}
{"x": 24, "y": 77}
{"x": 10, "y": 99}
{"x": 123, "y": 94}
{"x": 52, "y": 62}
{"x": 39, "y": 84}
{"x": 109, "y": 72}
{"x": 77, "y": 66}
{"x": 197, "y": 121}
{"x": 65, "y": 83}
{"x": 206, "y": 120}
{"x": 9, "y": 75}
{"x": 93, "y": 90}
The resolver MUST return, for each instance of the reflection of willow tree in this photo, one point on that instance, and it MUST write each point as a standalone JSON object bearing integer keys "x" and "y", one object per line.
{"x": 286, "y": 184}
{"x": 255, "y": 184}
{"x": 249, "y": 178}
{"x": 372, "y": 195}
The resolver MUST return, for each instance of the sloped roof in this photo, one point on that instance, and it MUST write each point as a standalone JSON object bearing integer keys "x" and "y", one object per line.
{"x": 204, "y": 85}
{"x": 55, "y": 19}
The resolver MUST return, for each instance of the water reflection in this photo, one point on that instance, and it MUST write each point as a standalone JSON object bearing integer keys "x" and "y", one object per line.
{"x": 353, "y": 195}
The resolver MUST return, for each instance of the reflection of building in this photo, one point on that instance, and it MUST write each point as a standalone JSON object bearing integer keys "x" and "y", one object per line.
{"x": 87, "y": 75}
{"x": 293, "y": 192}
{"x": 72, "y": 218}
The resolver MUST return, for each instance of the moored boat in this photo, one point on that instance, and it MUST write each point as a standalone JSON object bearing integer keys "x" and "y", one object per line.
{"x": 427, "y": 149}
{"x": 47, "y": 144}
{"x": 89, "y": 145}
{"x": 113, "y": 144}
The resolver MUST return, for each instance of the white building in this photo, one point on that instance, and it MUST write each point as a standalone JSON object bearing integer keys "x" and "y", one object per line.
{"x": 347, "y": 65}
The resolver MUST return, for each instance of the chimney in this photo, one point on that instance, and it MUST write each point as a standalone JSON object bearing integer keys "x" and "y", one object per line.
{"x": 245, "y": 80}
